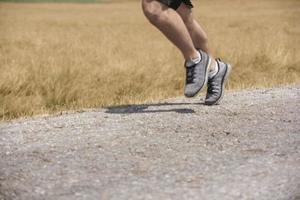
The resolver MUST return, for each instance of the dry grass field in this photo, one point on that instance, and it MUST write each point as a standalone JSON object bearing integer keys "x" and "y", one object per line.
{"x": 71, "y": 56}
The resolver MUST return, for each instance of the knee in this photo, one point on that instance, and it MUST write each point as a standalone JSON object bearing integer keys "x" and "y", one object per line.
{"x": 152, "y": 11}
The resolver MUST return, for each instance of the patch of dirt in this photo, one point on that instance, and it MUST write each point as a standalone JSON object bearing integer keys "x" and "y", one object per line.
{"x": 246, "y": 148}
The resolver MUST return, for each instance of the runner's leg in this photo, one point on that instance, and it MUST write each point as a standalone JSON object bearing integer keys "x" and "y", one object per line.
{"x": 196, "y": 32}
{"x": 171, "y": 25}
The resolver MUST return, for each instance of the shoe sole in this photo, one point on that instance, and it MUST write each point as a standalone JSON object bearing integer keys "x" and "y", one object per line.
{"x": 225, "y": 78}
{"x": 205, "y": 81}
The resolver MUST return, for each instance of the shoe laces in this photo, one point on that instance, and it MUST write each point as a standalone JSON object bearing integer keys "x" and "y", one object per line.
{"x": 190, "y": 74}
{"x": 211, "y": 87}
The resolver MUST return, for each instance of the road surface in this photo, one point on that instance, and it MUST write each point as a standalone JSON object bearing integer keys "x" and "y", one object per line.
{"x": 246, "y": 148}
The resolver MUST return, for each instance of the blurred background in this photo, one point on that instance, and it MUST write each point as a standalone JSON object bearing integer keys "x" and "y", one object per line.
{"x": 59, "y": 55}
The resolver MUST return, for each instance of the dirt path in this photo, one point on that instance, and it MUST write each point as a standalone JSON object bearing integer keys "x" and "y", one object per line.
{"x": 246, "y": 148}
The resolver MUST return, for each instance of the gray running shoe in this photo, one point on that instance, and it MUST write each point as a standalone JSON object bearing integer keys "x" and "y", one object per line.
{"x": 197, "y": 75}
{"x": 216, "y": 85}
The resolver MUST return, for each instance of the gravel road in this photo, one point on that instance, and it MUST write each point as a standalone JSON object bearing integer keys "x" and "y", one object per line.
{"x": 246, "y": 148}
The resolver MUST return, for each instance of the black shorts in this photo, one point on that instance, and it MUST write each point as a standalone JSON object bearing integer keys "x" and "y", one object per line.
{"x": 176, "y": 3}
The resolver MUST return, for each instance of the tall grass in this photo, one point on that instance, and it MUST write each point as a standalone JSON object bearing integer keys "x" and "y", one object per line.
{"x": 71, "y": 56}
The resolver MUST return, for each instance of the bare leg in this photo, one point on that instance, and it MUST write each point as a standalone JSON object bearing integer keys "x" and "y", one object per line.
{"x": 171, "y": 25}
{"x": 196, "y": 32}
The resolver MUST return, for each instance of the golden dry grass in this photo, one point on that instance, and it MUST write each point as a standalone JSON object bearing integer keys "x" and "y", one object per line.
{"x": 71, "y": 56}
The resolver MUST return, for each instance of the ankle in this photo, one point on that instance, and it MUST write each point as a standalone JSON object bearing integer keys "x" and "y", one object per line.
{"x": 213, "y": 65}
{"x": 193, "y": 59}
{"x": 213, "y": 69}
{"x": 196, "y": 55}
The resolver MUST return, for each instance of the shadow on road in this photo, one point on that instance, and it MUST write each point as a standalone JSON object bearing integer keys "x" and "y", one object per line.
{"x": 131, "y": 109}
